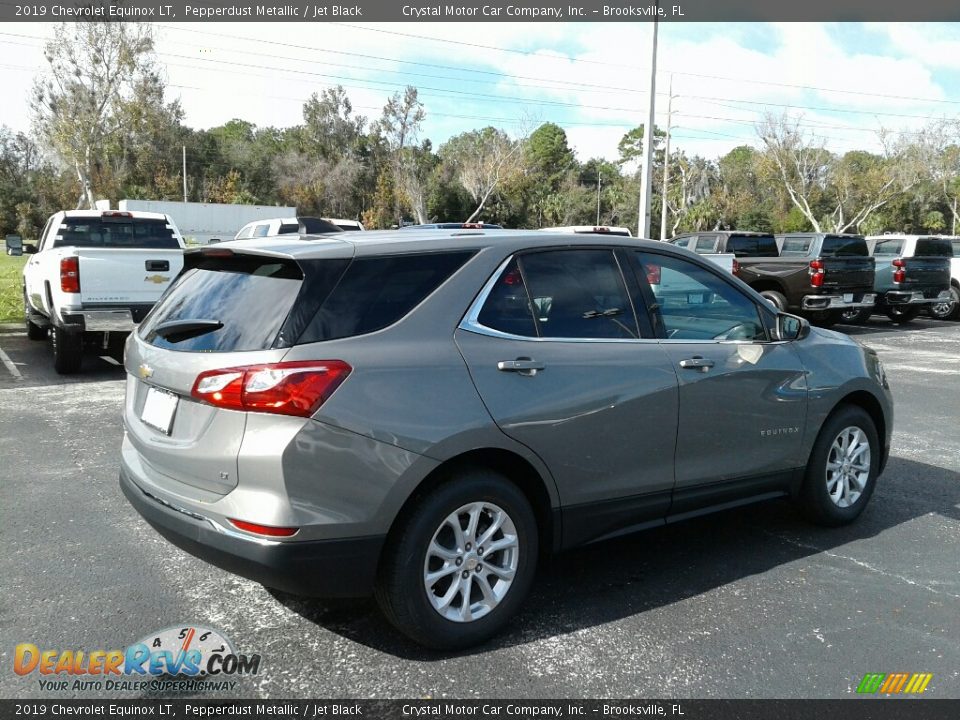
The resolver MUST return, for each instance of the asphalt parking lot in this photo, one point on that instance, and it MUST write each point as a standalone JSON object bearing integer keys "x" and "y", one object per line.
{"x": 750, "y": 603}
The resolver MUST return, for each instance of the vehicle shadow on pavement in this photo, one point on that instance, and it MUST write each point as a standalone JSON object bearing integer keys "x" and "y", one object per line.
{"x": 882, "y": 325}
{"x": 629, "y": 576}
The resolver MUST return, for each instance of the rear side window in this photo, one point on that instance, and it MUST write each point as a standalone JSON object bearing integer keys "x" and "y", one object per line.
{"x": 840, "y": 246}
{"x": 933, "y": 247}
{"x": 682, "y": 242}
{"x": 261, "y": 231}
{"x": 796, "y": 246}
{"x": 249, "y": 296}
{"x": 752, "y": 245}
{"x": 893, "y": 246}
{"x": 289, "y": 229}
{"x": 376, "y": 292}
{"x": 507, "y": 307}
{"x": 119, "y": 232}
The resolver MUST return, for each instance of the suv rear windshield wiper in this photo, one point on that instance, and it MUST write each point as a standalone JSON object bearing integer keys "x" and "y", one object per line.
{"x": 179, "y": 330}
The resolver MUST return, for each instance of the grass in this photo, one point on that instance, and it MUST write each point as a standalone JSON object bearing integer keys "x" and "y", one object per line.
{"x": 11, "y": 293}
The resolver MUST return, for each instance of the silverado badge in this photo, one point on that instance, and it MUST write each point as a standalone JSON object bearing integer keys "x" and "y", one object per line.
{"x": 157, "y": 279}
{"x": 145, "y": 371}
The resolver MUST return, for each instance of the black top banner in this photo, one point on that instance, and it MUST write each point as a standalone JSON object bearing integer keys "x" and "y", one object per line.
{"x": 520, "y": 11}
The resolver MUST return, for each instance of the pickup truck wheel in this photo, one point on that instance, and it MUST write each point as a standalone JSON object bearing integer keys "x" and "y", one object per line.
{"x": 843, "y": 468}
{"x": 67, "y": 351}
{"x": 855, "y": 316}
{"x": 824, "y": 318}
{"x": 458, "y": 568}
{"x": 949, "y": 310}
{"x": 778, "y": 299}
{"x": 902, "y": 315}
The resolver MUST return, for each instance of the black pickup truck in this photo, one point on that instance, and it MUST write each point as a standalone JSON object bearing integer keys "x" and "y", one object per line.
{"x": 818, "y": 275}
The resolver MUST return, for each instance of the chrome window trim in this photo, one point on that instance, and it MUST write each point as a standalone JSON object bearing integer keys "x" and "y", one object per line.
{"x": 471, "y": 323}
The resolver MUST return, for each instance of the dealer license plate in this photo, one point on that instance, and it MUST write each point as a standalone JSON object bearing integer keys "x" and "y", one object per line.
{"x": 159, "y": 409}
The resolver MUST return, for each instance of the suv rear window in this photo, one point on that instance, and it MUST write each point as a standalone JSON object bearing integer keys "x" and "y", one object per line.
{"x": 250, "y": 296}
{"x": 265, "y": 302}
{"x": 933, "y": 247}
{"x": 119, "y": 232}
{"x": 840, "y": 246}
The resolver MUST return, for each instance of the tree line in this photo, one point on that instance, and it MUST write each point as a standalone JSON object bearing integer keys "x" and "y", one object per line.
{"x": 103, "y": 128}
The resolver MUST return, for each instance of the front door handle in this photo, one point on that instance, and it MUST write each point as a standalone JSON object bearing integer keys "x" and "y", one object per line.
{"x": 697, "y": 363}
{"x": 524, "y": 366}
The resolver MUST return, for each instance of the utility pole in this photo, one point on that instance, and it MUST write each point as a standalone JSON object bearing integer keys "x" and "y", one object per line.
{"x": 666, "y": 164}
{"x": 184, "y": 173}
{"x": 598, "y": 194}
{"x": 643, "y": 216}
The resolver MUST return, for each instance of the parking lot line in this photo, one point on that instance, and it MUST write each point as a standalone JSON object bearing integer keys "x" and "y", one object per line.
{"x": 9, "y": 365}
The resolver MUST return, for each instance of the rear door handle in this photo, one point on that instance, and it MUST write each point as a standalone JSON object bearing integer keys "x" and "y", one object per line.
{"x": 697, "y": 363}
{"x": 157, "y": 265}
{"x": 524, "y": 366}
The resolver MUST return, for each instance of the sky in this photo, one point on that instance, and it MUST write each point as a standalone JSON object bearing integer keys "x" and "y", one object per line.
{"x": 845, "y": 80}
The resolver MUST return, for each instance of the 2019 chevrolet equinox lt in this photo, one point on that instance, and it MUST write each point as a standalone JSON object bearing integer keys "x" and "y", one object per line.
{"x": 421, "y": 415}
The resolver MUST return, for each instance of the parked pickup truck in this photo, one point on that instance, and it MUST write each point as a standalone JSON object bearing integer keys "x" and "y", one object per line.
{"x": 94, "y": 276}
{"x": 812, "y": 274}
{"x": 912, "y": 274}
{"x": 950, "y": 310}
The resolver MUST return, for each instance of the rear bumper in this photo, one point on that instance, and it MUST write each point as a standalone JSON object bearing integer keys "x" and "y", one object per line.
{"x": 317, "y": 568}
{"x": 916, "y": 297}
{"x": 839, "y": 301}
{"x": 120, "y": 318}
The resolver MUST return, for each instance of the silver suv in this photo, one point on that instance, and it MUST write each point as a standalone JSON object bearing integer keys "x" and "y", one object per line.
{"x": 422, "y": 415}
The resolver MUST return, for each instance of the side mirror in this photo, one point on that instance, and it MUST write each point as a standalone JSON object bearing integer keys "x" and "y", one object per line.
{"x": 29, "y": 249}
{"x": 791, "y": 327}
{"x": 14, "y": 245}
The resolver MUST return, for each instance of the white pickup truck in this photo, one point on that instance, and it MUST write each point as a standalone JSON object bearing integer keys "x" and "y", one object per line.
{"x": 94, "y": 276}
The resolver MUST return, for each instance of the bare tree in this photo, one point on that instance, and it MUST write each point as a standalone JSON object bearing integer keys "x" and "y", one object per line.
{"x": 850, "y": 188}
{"x": 938, "y": 155}
{"x": 93, "y": 65}
{"x": 400, "y": 127}
{"x": 481, "y": 160}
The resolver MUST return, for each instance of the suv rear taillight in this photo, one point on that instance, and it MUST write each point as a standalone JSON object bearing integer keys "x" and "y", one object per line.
{"x": 70, "y": 274}
{"x": 287, "y": 388}
{"x": 900, "y": 274}
{"x": 816, "y": 273}
{"x": 736, "y": 267}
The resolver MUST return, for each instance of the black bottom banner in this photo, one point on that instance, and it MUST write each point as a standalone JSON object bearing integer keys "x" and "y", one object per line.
{"x": 853, "y": 709}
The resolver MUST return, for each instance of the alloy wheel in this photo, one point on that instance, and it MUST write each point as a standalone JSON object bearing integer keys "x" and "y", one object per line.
{"x": 848, "y": 466}
{"x": 471, "y": 562}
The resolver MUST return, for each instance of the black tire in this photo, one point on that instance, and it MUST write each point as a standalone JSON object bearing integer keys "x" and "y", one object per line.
{"x": 824, "y": 318}
{"x": 778, "y": 299}
{"x": 855, "y": 316}
{"x": 67, "y": 351}
{"x": 944, "y": 311}
{"x": 814, "y": 497}
{"x": 901, "y": 315}
{"x": 401, "y": 591}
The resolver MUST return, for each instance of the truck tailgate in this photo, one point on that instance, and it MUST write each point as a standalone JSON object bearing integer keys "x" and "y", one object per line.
{"x": 926, "y": 272}
{"x": 126, "y": 275}
{"x": 848, "y": 273}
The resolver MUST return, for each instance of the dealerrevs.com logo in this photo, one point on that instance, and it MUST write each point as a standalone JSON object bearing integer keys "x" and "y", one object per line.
{"x": 187, "y": 657}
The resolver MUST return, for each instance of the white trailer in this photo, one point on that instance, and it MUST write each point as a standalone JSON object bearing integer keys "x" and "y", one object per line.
{"x": 202, "y": 222}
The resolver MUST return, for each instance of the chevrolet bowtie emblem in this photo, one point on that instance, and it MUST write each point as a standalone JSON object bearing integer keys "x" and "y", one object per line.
{"x": 158, "y": 279}
{"x": 145, "y": 371}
